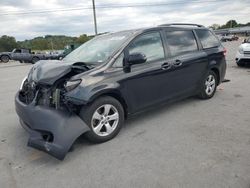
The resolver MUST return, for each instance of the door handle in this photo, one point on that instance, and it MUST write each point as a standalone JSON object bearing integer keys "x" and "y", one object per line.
{"x": 165, "y": 66}
{"x": 177, "y": 63}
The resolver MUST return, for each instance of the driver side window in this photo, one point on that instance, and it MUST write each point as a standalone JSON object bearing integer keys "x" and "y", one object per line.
{"x": 150, "y": 45}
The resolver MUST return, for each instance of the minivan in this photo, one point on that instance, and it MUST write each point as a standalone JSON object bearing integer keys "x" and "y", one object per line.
{"x": 113, "y": 76}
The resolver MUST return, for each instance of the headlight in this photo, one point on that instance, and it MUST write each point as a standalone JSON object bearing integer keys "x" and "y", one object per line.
{"x": 72, "y": 84}
{"x": 240, "y": 50}
{"x": 21, "y": 87}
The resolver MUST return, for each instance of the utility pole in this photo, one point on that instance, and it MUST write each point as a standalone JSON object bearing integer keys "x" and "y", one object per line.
{"x": 93, "y": 2}
{"x": 51, "y": 44}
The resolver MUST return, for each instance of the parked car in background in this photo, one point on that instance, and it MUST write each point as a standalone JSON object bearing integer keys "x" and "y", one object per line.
{"x": 21, "y": 55}
{"x": 112, "y": 76}
{"x": 25, "y": 55}
{"x": 226, "y": 38}
{"x": 67, "y": 50}
{"x": 54, "y": 55}
{"x": 243, "y": 53}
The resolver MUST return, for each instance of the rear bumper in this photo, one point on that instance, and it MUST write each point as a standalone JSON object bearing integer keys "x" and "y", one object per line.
{"x": 53, "y": 131}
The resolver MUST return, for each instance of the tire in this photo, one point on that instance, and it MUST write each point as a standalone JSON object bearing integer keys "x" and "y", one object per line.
{"x": 5, "y": 58}
{"x": 209, "y": 85}
{"x": 240, "y": 64}
{"x": 34, "y": 60}
{"x": 102, "y": 127}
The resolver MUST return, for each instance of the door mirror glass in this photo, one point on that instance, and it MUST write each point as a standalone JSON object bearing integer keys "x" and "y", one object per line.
{"x": 137, "y": 58}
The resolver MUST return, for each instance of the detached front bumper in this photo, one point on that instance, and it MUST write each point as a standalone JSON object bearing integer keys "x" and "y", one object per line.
{"x": 53, "y": 131}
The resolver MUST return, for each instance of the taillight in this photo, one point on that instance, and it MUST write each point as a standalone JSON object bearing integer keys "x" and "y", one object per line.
{"x": 224, "y": 51}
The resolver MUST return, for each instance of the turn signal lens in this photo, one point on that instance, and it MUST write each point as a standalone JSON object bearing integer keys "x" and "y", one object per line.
{"x": 72, "y": 84}
{"x": 224, "y": 51}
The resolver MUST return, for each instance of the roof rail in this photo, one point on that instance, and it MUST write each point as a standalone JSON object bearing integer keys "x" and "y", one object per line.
{"x": 188, "y": 24}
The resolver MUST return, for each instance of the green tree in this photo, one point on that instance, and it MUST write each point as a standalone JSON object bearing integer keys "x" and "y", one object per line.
{"x": 230, "y": 24}
{"x": 82, "y": 39}
{"x": 7, "y": 43}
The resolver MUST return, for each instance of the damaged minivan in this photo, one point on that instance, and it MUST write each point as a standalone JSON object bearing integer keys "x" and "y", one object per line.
{"x": 97, "y": 86}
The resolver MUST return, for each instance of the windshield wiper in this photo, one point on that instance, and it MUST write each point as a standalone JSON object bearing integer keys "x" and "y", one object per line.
{"x": 83, "y": 65}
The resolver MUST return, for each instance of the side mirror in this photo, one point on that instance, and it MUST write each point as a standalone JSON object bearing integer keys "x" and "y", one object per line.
{"x": 137, "y": 58}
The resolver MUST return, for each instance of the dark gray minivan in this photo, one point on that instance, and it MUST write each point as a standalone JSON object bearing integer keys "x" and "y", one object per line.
{"x": 97, "y": 86}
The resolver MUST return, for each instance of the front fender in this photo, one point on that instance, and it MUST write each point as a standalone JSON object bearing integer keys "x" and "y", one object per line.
{"x": 84, "y": 95}
{"x": 6, "y": 55}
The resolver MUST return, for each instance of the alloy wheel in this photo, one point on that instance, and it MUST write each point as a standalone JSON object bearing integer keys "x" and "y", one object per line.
{"x": 105, "y": 120}
{"x": 210, "y": 84}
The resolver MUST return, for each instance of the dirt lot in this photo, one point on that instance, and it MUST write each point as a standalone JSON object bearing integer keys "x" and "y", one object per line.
{"x": 192, "y": 143}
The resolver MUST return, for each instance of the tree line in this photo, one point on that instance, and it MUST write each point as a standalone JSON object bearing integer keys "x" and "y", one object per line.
{"x": 48, "y": 42}
{"x": 58, "y": 42}
{"x": 228, "y": 24}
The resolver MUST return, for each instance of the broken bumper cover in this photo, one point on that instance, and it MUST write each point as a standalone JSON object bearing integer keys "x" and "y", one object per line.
{"x": 53, "y": 131}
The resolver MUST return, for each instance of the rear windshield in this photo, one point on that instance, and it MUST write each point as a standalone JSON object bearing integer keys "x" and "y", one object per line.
{"x": 207, "y": 38}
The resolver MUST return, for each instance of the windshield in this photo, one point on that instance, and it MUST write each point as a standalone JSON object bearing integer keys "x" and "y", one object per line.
{"x": 98, "y": 49}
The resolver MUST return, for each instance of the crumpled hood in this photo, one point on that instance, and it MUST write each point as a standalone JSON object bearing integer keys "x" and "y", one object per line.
{"x": 48, "y": 71}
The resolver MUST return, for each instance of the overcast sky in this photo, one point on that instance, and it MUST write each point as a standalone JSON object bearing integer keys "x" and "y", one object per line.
{"x": 76, "y": 22}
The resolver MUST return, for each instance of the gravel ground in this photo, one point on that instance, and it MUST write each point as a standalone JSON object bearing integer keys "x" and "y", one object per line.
{"x": 191, "y": 143}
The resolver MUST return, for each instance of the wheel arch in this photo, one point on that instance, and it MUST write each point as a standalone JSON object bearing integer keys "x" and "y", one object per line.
{"x": 217, "y": 72}
{"x": 36, "y": 57}
{"x": 115, "y": 94}
{"x": 5, "y": 55}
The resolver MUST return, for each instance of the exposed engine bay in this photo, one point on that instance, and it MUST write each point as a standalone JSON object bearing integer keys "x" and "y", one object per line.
{"x": 44, "y": 110}
{"x": 50, "y": 94}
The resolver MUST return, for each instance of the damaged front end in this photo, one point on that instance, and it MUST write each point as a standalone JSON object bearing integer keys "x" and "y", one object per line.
{"x": 50, "y": 118}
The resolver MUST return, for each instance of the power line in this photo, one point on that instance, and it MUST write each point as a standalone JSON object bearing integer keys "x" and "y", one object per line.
{"x": 107, "y": 6}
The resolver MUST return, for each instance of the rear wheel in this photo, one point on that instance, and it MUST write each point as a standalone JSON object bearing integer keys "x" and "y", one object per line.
{"x": 209, "y": 85}
{"x": 105, "y": 117}
{"x": 34, "y": 60}
{"x": 5, "y": 58}
{"x": 240, "y": 64}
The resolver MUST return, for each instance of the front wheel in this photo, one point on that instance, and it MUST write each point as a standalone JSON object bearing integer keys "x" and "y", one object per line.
{"x": 5, "y": 58}
{"x": 105, "y": 117}
{"x": 34, "y": 60}
{"x": 208, "y": 86}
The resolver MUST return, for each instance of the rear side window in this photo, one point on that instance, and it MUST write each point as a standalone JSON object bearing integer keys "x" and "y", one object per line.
{"x": 208, "y": 40}
{"x": 17, "y": 51}
{"x": 180, "y": 42}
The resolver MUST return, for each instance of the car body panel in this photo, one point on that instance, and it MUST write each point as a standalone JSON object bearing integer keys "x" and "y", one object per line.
{"x": 65, "y": 127}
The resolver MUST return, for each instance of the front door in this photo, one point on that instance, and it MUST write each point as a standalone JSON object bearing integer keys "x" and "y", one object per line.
{"x": 151, "y": 82}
